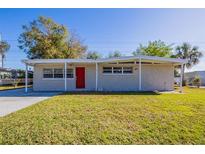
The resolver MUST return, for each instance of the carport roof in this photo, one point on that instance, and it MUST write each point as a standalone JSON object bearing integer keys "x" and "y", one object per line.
{"x": 128, "y": 58}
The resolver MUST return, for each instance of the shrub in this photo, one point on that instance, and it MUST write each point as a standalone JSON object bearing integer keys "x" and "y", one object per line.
{"x": 196, "y": 81}
{"x": 184, "y": 82}
{"x": 16, "y": 82}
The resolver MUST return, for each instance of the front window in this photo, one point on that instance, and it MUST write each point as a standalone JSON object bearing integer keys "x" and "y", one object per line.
{"x": 117, "y": 70}
{"x": 107, "y": 69}
{"x": 58, "y": 73}
{"x": 127, "y": 70}
{"x": 47, "y": 73}
{"x": 70, "y": 73}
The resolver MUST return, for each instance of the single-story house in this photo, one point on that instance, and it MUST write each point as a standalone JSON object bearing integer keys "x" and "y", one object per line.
{"x": 8, "y": 76}
{"x": 189, "y": 76}
{"x": 8, "y": 73}
{"x": 5, "y": 73}
{"x": 134, "y": 73}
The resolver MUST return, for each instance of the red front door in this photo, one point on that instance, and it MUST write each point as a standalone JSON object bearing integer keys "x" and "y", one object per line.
{"x": 80, "y": 77}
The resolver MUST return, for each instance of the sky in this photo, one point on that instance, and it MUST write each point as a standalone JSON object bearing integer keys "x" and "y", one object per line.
{"x": 108, "y": 30}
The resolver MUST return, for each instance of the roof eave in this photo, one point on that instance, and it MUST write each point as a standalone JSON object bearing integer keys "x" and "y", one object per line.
{"x": 151, "y": 58}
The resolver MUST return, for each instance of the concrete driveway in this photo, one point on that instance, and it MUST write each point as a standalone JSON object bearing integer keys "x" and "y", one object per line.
{"x": 14, "y": 100}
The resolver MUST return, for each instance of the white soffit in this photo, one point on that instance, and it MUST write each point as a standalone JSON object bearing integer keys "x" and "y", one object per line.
{"x": 134, "y": 58}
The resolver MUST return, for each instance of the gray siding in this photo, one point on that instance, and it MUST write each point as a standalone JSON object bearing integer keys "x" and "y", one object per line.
{"x": 118, "y": 82}
{"x": 154, "y": 77}
{"x": 159, "y": 77}
{"x": 40, "y": 84}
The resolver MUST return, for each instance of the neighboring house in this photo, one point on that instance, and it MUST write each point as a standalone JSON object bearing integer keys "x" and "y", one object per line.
{"x": 5, "y": 73}
{"x": 18, "y": 74}
{"x": 8, "y": 76}
{"x": 8, "y": 73}
{"x": 189, "y": 76}
{"x": 135, "y": 73}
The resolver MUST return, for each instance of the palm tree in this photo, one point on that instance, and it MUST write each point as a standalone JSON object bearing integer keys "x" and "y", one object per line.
{"x": 115, "y": 54}
{"x": 192, "y": 54}
{"x": 93, "y": 55}
{"x": 4, "y": 47}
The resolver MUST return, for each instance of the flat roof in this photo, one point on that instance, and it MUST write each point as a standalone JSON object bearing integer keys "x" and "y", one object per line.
{"x": 142, "y": 57}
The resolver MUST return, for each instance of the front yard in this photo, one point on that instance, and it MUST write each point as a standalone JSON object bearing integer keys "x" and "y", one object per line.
{"x": 129, "y": 118}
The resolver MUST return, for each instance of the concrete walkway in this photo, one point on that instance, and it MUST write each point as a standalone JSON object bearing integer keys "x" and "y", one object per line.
{"x": 14, "y": 100}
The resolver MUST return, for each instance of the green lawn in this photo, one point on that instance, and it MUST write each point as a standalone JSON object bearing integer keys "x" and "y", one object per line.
{"x": 129, "y": 118}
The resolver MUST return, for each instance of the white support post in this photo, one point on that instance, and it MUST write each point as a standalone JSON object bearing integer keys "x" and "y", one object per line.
{"x": 26, "y": 79}
{"x": 140, "y": 75}
{"x": 181, "y": 75}
{"x": 65, "y": 76}
{"x": 96, "y": 77}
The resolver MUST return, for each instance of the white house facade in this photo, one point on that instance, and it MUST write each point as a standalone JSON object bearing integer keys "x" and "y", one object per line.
{"x": 135, "y": 73}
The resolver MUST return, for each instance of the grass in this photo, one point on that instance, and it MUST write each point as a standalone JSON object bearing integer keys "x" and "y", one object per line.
{"x": 128, "y": 118}
{"x": 9, "y": 87}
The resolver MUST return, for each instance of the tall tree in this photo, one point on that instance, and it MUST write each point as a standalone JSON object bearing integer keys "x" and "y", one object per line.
{"x": 192, "y": 54}
{"x": 75, "y": 47}
{"x": 93, "y": 55}
{"x": 44, "y": 38}
{"x": 155, "y": 48}
{"x": 4, "y": 47}
{"x": 115, "y": 54}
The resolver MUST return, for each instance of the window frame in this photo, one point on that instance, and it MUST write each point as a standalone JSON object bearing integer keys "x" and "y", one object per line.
{"x": 107, "y": 72}
{"x": 67, "y": 73}
{"x": 63, "y": 78}
{"x": 127, "y": 67}
{"x": 122, "y": 73}
{"x": 117, "y": 68}
{"x": 56, "y": 74}
{"x": 47, "y": 77}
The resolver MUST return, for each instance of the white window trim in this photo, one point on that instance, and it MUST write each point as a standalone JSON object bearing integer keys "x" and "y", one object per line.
{"x": 127, "y": 73}
{"x": 54, "y": 74}
{"x": 118, "y": 73}
{"x": 48, "y": 78}
{"x": 63, "y": 74}
{"x": 73, "y": 73}
{"x": 108, "y": 73}
{"x": 53, "y": 79}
